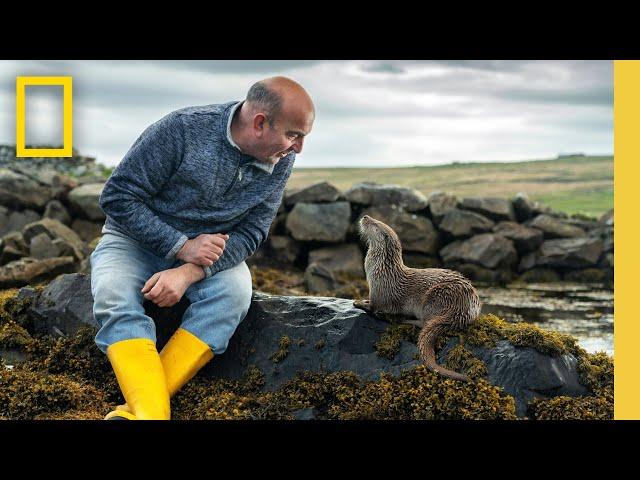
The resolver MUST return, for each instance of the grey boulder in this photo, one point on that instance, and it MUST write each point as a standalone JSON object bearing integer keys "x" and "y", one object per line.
{"x": 324, "y": 222}
{"x": 462, "y": 223}
{"x": 487, "y": 250}
{"x": 370, "y": 193}
{"x": 497, "y": 209}
{"x": 416, "y": 232}
{"x": 316, "y": 193}
{"x": 85, "y": 200}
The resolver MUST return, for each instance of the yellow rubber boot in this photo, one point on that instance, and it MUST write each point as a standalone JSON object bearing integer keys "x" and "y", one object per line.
{"x": 182, "y": 357}
{"x": 141, "y": 378}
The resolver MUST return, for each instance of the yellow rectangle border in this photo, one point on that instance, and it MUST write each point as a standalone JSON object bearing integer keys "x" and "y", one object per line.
{"x": 67, "y": 100}
{"x": 626, "y": 107}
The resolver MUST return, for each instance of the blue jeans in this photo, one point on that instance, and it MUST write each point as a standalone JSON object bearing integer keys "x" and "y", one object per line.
{"x": 120, "y": 267}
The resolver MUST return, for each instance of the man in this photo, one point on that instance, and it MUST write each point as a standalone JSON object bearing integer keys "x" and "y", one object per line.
{"x": 190, "y": 201}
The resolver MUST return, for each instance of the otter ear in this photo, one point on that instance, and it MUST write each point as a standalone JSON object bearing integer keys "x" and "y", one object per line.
{"x": 392, "y": 238}
{"x": 388, "y": 238}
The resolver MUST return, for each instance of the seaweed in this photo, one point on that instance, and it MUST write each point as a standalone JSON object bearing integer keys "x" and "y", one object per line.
{"x": 281, "y": 354}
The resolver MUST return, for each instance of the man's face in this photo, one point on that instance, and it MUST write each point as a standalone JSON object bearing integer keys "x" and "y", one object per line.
{"x": 284, "y": 134}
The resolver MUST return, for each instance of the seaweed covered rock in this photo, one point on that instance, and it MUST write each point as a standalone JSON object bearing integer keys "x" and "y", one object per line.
{"x": 596, "y": 371}
{"x": 527, "y": 374}
{"x": 284, "y": 337}
{"x": 64, "y": 306}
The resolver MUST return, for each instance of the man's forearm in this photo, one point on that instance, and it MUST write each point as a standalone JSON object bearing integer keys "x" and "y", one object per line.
{"x": 194, "y": 272}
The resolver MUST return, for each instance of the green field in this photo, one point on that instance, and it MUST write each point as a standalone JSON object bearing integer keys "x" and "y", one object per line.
{"x": 572, "y": 185}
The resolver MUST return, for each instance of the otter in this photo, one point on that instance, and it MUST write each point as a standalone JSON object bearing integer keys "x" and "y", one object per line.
{"x": 443, "y": 299}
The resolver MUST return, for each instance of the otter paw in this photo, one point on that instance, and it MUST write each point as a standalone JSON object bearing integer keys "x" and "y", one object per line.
{"x": 362, "y": 304}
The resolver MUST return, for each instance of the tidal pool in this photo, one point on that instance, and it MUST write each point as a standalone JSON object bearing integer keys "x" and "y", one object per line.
{"x": 584, "y": 311}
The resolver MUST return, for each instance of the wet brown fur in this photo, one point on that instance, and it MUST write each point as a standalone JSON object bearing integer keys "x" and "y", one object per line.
{"x": 443, "y": 299}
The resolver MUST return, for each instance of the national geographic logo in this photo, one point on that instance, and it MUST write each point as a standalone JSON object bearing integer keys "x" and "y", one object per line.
{"x": 67, "y": 98}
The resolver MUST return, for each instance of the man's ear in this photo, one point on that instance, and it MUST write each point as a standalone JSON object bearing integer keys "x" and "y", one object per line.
{"x": 259, "y": 124}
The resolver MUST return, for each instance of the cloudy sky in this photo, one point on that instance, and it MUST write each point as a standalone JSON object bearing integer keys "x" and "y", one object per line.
{"x": 368, "y": 113}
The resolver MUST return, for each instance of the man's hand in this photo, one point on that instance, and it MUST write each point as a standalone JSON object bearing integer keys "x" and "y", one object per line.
{"x": 203, "y": 250}
{"x": 167, "y": 287}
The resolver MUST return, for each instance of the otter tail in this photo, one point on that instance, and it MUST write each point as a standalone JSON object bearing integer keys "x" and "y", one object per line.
{"x": 429, "y": 334}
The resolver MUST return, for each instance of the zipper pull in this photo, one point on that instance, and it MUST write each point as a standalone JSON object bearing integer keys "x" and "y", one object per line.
{"x": 240, "y": 175}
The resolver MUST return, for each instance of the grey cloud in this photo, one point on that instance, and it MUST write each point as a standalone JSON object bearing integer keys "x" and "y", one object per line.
{"x": 211, "y": 66}
{"x": 597, "y": 96}
{"x": 390, "y": 110}
{"x": 383, "y": 68}
{"x": 252, "y": 67}
{"x": 423, "y": 110}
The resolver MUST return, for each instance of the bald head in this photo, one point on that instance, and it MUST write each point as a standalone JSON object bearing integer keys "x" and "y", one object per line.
{"x": 274, "y": 120}
{"x": 276, "y": 96}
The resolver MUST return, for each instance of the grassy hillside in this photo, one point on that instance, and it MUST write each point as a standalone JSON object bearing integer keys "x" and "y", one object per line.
{"x": 572, "y": 185}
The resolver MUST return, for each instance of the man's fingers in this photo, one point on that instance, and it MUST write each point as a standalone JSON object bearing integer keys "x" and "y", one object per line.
{"x": 155, "y": 292}
{"x": 167, "y": 298}
{"x": 218, "y": 241}
{"x": 161, "y": 301}
{"x": 150, "y": 283}
{"x": 167, "y": 301}
{"x": 212, "y": 256}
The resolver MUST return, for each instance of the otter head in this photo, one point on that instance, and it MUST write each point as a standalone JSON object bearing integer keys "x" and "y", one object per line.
{"x": 379, "y": 235}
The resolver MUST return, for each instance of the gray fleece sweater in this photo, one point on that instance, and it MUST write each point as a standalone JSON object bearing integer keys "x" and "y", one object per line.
{"x": 184, "y": 176}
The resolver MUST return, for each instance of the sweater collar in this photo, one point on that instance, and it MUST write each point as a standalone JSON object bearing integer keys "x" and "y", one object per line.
{"x": 229, "y": 117}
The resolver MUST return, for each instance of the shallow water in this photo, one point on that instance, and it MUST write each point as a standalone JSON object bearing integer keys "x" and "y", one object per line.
{"x": 584, "y": 311}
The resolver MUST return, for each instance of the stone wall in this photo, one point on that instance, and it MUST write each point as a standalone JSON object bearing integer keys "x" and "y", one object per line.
{"x": 48, "y": 218}
{"x": 494, "y": 240}
{"x": 50, "y": 222}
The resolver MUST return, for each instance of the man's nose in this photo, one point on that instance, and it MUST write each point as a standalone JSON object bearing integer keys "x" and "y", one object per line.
{"x": 297, "y": 146}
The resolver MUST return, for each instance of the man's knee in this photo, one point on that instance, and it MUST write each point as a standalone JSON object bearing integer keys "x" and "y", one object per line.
{"x": 234, "y": 282}
{"x": 229, "y": 290}
{"x": 240, "y": 284}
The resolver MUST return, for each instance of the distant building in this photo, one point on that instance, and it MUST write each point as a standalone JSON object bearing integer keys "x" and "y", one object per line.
{"x": 570, "y": 155}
